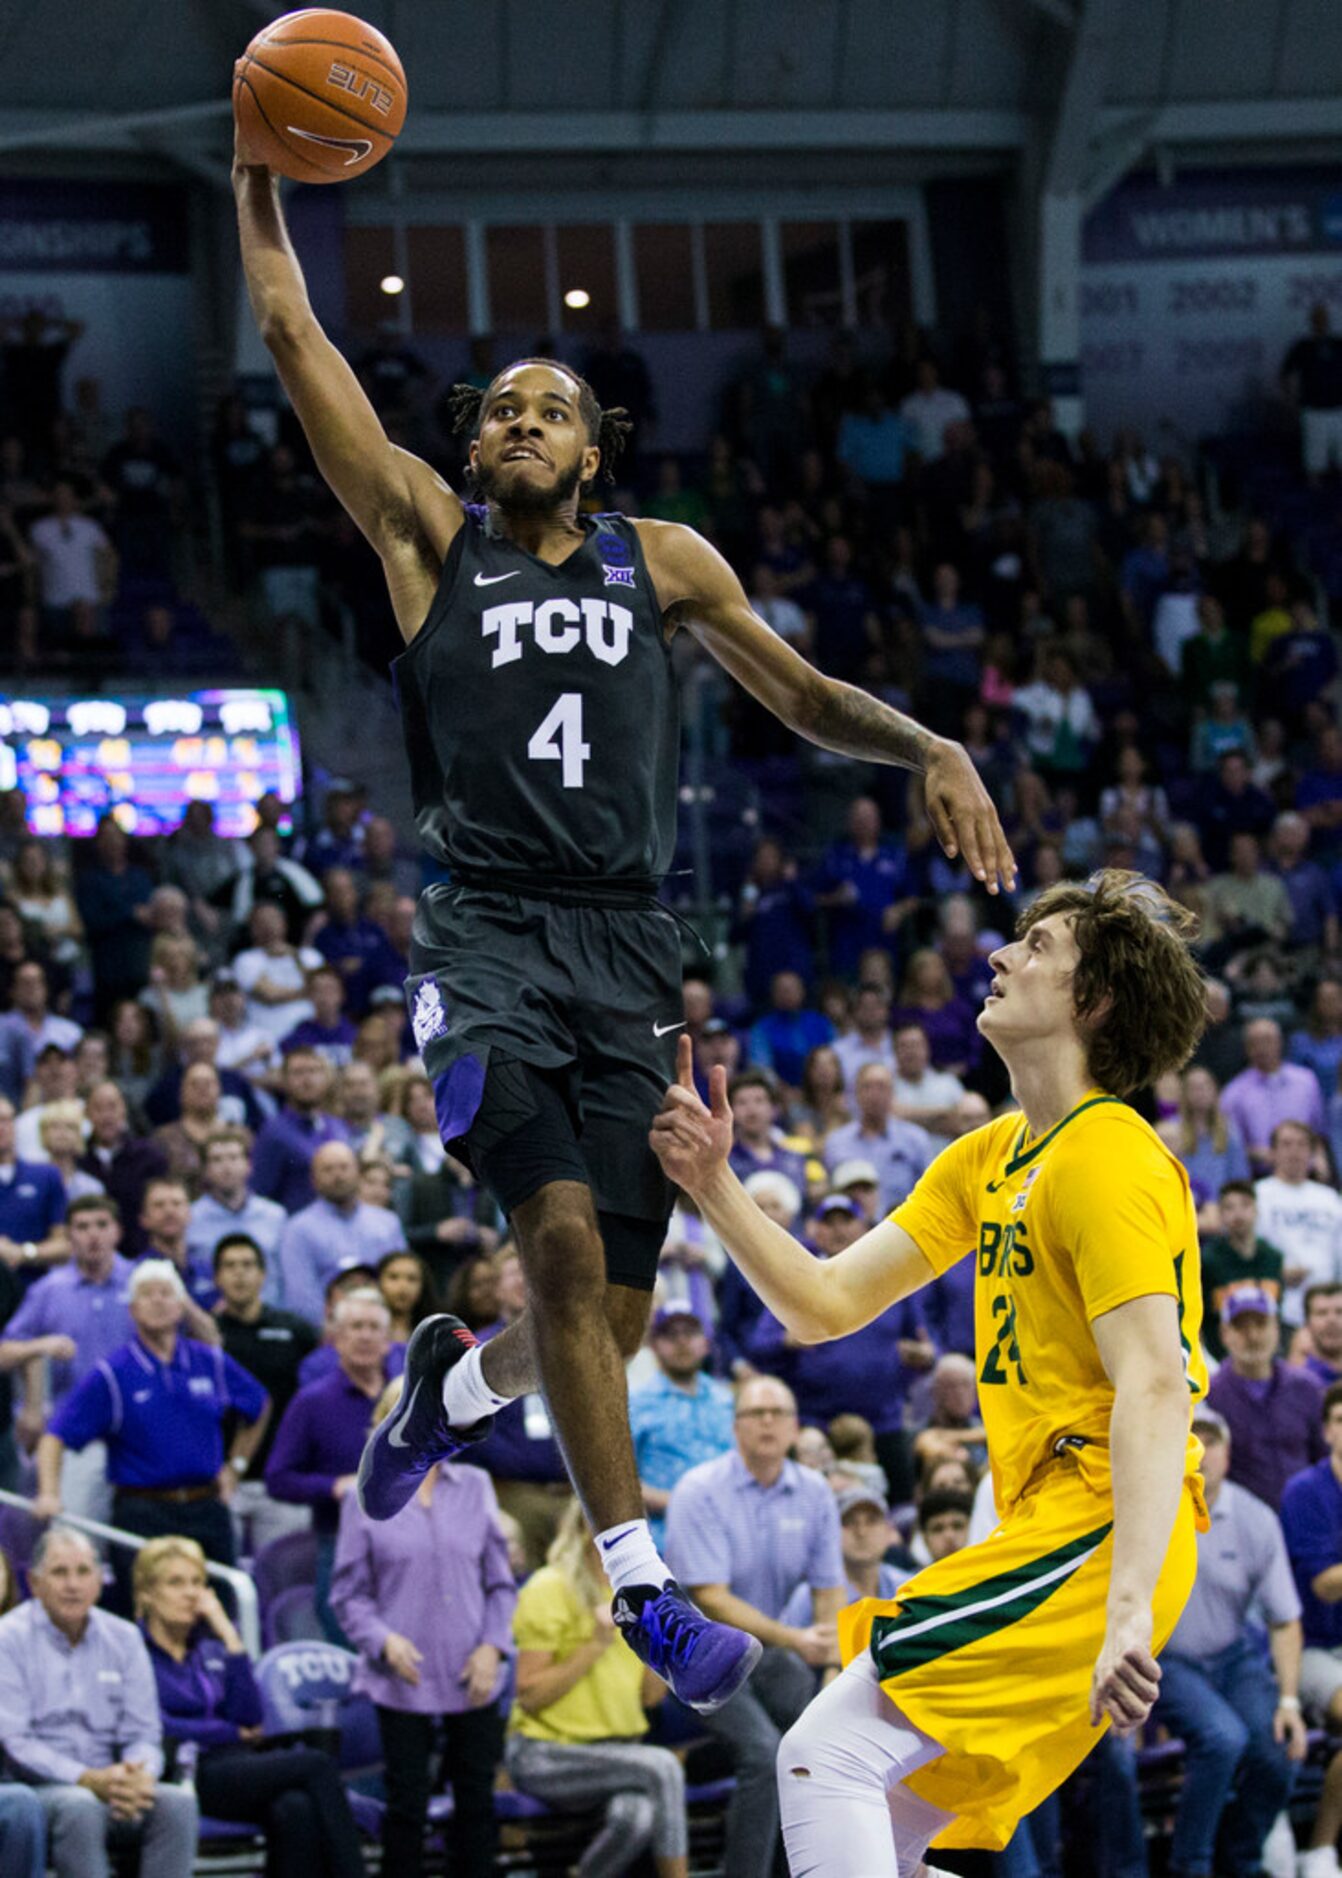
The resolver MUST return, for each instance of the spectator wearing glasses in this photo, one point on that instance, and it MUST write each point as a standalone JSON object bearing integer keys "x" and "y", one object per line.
{"x": 742, "y": 1533}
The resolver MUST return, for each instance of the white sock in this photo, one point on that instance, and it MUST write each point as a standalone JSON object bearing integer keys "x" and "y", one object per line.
{"x": 628, "y": 1556}
{"x": 467, "y": 1397}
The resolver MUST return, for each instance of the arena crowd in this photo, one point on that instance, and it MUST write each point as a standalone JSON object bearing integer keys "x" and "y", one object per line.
{"x": 224, "y": 1204}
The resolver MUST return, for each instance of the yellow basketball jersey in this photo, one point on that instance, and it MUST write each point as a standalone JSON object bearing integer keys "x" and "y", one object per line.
{"x": 1093, "y": 1214}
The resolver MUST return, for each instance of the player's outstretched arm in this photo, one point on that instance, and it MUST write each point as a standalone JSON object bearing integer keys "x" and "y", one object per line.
{"x": 698, "y": 591}
{"x": 392, "y": 496}
{"x": 815, "y": 1299}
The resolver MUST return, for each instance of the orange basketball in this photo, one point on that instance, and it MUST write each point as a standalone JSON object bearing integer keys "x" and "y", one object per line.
{"x": 319, "y": 95}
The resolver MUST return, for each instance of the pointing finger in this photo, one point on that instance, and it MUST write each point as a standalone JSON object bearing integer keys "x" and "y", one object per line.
{"x": 685, "y": 1061}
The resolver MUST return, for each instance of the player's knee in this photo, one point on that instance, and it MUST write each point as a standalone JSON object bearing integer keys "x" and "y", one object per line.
{"x": 562, "y": 1254}
{"x": 627, "y": 1313}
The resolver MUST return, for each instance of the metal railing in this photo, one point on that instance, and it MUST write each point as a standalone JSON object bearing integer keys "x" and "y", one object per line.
{"x": 242, "y": 1587}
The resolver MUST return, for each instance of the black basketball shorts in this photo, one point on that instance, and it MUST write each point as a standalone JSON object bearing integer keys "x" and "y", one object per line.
{"x": 548, "y": 1029}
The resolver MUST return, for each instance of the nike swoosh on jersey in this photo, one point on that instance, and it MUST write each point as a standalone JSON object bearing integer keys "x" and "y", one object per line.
{"x": 358, "y": 147}
{"x": 490, "y": 580}
{"x": 395, "y": 1439}
{"x": 662, "y": 1030}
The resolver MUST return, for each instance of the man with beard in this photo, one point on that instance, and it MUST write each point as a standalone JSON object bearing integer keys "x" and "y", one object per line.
{"x": 540, "y": 713}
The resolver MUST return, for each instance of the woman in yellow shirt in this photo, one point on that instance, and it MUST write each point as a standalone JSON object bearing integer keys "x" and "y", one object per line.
{"x": 574, "y": 1738}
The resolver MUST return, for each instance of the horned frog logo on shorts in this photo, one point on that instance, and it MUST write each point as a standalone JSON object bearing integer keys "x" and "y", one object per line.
{"x": 428, "y": 1019}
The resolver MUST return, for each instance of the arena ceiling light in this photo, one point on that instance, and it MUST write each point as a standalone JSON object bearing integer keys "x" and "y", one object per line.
{"x": 577, "y": 298}
{"x": 392, "y": 283}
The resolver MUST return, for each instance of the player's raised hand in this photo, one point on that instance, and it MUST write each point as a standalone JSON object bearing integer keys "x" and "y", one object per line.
{"x": 690, "y": 1140}
{"x": 961, "y": 812}
{"x": 243, "y": 154}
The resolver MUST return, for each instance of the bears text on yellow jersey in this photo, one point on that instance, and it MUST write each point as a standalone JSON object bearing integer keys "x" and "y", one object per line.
{"x": 1093, "y": 1214}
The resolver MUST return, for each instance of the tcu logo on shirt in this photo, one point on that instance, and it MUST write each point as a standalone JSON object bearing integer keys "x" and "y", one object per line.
{"x": 559, "y": 626}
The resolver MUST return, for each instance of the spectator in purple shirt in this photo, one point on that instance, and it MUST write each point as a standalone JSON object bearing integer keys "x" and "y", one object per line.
{"x": 124, "y": 1165}
{"x": 328, "y": 1031}
{"x": 208, "y": 1696}
{"x": 1270, "y": 1091}
{"x": 286, "y": 1143}
{"x": 356, "y": 946}
{"x": 70, "y": 1320}
{"x": 1273, "y": 1411}
{"x": 1319, "y": 794}
{"x": 434, "y": 1683}
{"x": 315, "y": 1454}
{"x": 755, "y": 1150}
{"x": 1317, "y": 1348}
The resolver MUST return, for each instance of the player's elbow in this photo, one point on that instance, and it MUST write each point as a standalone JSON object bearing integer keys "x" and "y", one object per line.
{"x": 284, "y": 327}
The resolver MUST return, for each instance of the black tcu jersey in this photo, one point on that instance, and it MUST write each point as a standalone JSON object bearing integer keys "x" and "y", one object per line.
{"x": 540, "y": 710}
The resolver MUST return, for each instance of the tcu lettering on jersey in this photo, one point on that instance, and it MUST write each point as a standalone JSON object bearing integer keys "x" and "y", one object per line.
{"x": 559, "y": 626}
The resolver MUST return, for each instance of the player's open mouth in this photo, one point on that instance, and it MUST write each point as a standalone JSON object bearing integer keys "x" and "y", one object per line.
{"x": 998, "y": 991}
{"x": 522, "y": 455}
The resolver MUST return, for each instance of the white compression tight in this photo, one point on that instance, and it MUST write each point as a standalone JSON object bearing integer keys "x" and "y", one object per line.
{"x": 844, "y": 1812}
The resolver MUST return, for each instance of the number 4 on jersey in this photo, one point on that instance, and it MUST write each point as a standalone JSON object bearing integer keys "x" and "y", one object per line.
{"x": 558, "y": 738}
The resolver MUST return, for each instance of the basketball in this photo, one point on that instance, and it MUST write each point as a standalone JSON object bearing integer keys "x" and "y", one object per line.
{"x": 320, "y": 96}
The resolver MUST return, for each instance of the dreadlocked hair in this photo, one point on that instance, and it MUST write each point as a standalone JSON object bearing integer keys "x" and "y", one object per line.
{"x": 608, "y": 430}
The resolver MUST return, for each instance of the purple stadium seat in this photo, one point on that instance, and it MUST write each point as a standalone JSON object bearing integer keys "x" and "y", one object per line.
{"x": 291, "y": 1617}
{"x": 19, "y": 1533}
{"x": 310, "y": 1685}
{"x": 283, "y": 1563}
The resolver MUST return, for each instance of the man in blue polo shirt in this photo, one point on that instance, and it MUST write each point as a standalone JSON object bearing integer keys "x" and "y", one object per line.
{"x": 682, "y": 1416}
{"x": 69, "y": 1320}
{"x": 742, "y": 1533}
{"x": 159, "y": 1403}
{"x": 32, "y": 1207}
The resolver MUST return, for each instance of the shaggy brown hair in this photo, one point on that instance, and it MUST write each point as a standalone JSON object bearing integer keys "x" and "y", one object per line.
{"x": 1133, "y": 941}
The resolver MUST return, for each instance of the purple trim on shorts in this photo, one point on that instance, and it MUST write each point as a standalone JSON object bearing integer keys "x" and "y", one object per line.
{"x": 456, "y": 1097}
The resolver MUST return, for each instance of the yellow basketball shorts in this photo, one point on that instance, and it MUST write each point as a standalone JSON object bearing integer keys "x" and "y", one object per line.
{"x": 992, "y": 1650}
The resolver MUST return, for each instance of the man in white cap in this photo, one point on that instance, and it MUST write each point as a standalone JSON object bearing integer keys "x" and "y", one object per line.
{"x": 159, "y": 1403}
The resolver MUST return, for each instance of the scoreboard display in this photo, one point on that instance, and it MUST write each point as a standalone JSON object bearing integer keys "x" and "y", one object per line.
{"x": 145, "y": 758}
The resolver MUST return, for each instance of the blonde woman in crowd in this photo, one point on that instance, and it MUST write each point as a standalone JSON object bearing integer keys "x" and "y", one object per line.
{"x": 207, "y": 1695}
{"x": 575, "y": 1738}
{"x": 1207, "y": 1143}
{"x": 61, "y": 1132}
{"x": 39, "y": 890}
{"x": 175, "y": 994}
